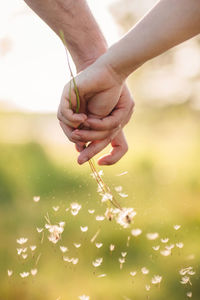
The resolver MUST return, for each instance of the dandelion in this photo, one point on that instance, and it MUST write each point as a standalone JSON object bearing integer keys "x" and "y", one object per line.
{"x": 112, "y": 247}
{"x": 22, "y": 240}
{"x": 97, "y": 262}
{"x": 84, "y": 228}
{"x": 136, "y": 232}
{"x": 84, "y": 297}
{"x": 177, "y": 227}
{"x": 34, "y": 272}
{"x": 75, "y": 207}
{"x": 145, "y": 271}
{"x": 118, "y": 189}
{"x": 56, "y": 208}
{"x": 39, "y": 230}
{"x": 152, "y": 236}
{"x": 125, "y": 216}
{"x": 91, "y": 211}
{"x": 77, "y": 245}
{"x": 36, "y": 198}
{"x": 55, "y": 232}
{"x": 33, "y": 247}
{"x": 63, "y": 249}
{"x": 99, "y": 245}
{"x": 165, "y": 252}
{"x": 10, "y": 272}
{"x": 179, "y": 245}
{"x": 156, "y": 248}
{"x": 164, "y": 241}
{"x": 133, "y": 273}
{"x": 100, "y": 218}
{"x": 156, "y": 279}
{"x": 189, "y": 294}
{"x": 24, "y": 274}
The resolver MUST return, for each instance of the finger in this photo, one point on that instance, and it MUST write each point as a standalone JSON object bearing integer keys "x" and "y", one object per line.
{"x": 91, "y": 150}
{"x": 68, "y": 132}
{"x": 90, "y": 135}
{"x": 120, "y": 147}
{"x": 80, "y": 147}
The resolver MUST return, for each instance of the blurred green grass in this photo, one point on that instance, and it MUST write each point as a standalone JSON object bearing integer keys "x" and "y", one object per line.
{"x": 163, "y": 183}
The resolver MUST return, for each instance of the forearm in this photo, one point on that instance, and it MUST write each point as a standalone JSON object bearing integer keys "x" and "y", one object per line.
{"x": 82, "y": 34}
{"x": 169, "y": 23}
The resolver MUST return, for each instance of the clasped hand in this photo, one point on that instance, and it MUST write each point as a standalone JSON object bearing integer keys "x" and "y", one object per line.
{"x": 106, "y": 107}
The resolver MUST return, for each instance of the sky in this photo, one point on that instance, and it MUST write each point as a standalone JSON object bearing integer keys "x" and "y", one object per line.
{"x": 33, "y": 66}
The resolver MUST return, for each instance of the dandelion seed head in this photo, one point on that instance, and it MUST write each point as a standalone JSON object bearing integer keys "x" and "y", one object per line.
{"x": 136, "y": 232}
{"x": 55, "y": 232}
{"x": 152, "y": 236}
{"x": 36, "y": 198}
{"x": 125, "y": 216}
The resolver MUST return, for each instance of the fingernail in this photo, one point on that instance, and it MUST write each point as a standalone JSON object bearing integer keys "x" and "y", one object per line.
{"x": 82, "y": 160}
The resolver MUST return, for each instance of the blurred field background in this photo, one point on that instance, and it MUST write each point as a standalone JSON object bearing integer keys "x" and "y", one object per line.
{"x": 163, "y": 181}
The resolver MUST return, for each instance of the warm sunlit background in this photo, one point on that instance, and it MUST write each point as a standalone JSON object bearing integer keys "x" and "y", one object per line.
{"x": 163, "y": 165}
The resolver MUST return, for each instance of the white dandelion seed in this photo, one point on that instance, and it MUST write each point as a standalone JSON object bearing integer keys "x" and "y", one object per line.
{"x": 67, "y": 259}
{"x": 91, "y": 211}
{"x": 99, "y": 245}
{"x": 152, "y": 236}
{"x": 56, "y": 208}
{"x": 36, "y": 198}
{"x": 106, "y": 197}
{"x": 10, "y": 272}
{"x": 55, "y": 232}
{"x": 179, "y": 245}
{"x": 165, "y": 252}
{"x": 156, "y": 279}
{"x": 61, "y": 224}
{"x": 84, "y": 228}
{"x": 123, "y": 195}
{"x": 122, "y": 260}
{"x": 118, "y": 189}
{"x": 185, "y": 280}
{"x": 136, "y": 232}
{"x": 63, "y": 249}
{"x": 177, "y": 227}
{"x": 39, "y": 230}
{"x": 156, "y": 248}
{"x": 100, "y": 218}
{"x": 19, "y": 251}
{"x": 125, "y": 216}
{"x": 75, "y": 261}
{"x": 33, "y": 247}
{"x": 145, "y": 271}
{"x": 133, "y": 273}
{"x": 22, "y": 240}
{"x": 112, "y": 247}
{"x": 147, "y": 287}
{"x": 191, "y": 273}
{"x": 102, "y": 275}
{"x": 76, "y": 245}
{"x": 84, "y": 297}
{"x": 169, "y": 247}
{"x": 75, "y": 208}
{"x": 24, "y": 256}
{"x": 189, "y": 294}
{"x": 24, "y": 274}
{"x": 34, "y": 272}
{"x": 164, "y": 241}
{"x": 123, "y": 254}
{"x": 97, "y": 262}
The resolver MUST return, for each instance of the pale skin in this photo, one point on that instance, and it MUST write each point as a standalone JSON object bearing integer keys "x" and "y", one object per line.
{"x": 169, "y": 23}
{"x": 86, "y": 43}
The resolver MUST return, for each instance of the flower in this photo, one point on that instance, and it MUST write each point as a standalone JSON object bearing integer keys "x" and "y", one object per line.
{"x": 125, "y": 216}
{"x": 136, "y": 232}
